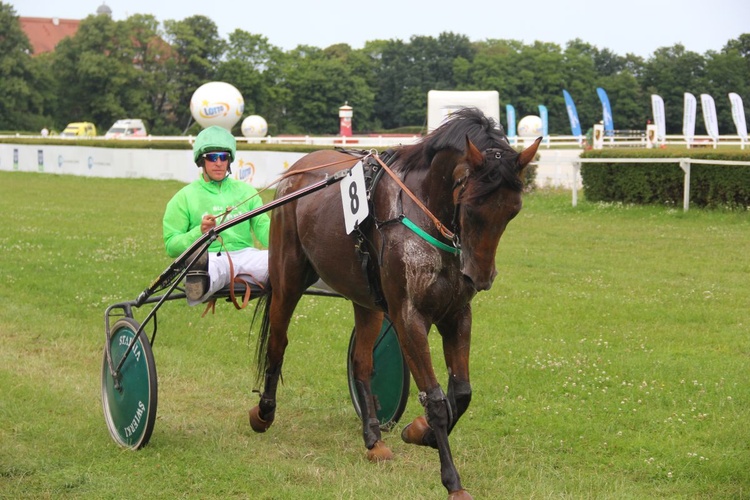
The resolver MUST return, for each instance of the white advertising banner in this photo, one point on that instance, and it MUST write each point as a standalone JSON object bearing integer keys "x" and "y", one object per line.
{"x": 657, "y": 106}
{"x": 709, "y": 116}
{"x": 738, "y": 115}
{"x": 688, "y": 119}
{"x": 258, "y": 168}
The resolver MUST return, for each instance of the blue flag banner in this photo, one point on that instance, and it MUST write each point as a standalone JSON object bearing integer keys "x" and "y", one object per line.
{"x": 545, "y": 120}
{"x": 609, "y": 127}
{"x": 511, "y": 112}
{"x": 575, "y": 125}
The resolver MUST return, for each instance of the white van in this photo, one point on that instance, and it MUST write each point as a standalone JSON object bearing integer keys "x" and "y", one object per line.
{"x": 132, "y": 127}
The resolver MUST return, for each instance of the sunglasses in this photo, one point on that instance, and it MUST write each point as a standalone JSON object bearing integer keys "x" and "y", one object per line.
{"x": 216, "y": 156}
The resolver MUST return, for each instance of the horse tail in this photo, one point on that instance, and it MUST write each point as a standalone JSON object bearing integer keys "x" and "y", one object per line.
{"x": 263, "y": 307}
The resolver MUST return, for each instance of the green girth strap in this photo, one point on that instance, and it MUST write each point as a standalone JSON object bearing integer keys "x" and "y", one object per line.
{"x": 430, "y": 239}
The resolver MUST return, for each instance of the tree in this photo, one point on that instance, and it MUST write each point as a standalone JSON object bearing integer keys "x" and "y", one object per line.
{"x": 22, "y": 104}
{"x": 671, "y": 72}
{"x": 407, "y": 72}
{"x": 95, "y": 72}
{"x": 148, "y": 95}
{"x": 249, "y": 66}
{"x": 318, "y": 83}
{"x": 198, "y": 51}
{"x": 729, "y": 71}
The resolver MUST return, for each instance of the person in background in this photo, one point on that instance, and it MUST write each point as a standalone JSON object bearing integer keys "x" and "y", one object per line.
{"x": 213, "y": 198}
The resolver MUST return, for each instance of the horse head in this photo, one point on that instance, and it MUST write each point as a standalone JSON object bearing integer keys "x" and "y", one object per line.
{"x": 487, "y": 195}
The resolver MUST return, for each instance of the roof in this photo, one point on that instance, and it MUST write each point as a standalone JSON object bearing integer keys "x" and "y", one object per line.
{"x": 45, "y": 33}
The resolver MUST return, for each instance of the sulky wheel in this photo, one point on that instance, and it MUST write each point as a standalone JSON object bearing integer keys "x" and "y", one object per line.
{"x": 390, "y": 378}
{"x": 129, "y": 400}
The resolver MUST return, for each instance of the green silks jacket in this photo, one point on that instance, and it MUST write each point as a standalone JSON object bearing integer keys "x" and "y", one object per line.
{"x": 182, "y": 217}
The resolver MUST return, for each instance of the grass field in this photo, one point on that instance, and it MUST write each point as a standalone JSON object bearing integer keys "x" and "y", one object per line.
{"x": 610, "y": 360}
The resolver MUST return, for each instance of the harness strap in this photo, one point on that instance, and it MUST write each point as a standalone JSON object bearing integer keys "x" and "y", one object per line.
{"x": 448, "y": 234}
{"x": 427, "y": 237}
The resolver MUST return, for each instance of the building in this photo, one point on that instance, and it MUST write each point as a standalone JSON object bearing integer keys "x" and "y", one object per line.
{"x": 45, "y": 33}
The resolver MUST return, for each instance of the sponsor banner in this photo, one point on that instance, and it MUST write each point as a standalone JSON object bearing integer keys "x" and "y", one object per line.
{"x": 657, "y": 106}
{"x": 688, "y": 118}
{"x": 544, "y": 115}
{"x": 575, "y": 124}
{"x": 709, "y": 116}
{"x": 738, "y": 115}
{"x": 511, "y": 112}
{"x": 609, "y": 126}
{"x": 258, "y": 168}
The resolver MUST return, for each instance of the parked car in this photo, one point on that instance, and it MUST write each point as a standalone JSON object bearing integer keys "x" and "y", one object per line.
{"x": 131, "y": 127}
{"x": 79, "y": 129}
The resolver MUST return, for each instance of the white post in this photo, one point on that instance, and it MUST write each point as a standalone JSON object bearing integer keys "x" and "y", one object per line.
{"x": 598, "y": 136}
{"x": 685, "y": 166}
{"x": 576, "y": 170}
{"x": 652, "y": 137}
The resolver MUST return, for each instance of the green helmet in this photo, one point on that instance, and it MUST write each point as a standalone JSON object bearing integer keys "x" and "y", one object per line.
{"x": 214, "y": 138}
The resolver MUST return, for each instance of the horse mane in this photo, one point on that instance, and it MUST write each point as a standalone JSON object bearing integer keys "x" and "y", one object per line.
{"x": 483, "y": 132}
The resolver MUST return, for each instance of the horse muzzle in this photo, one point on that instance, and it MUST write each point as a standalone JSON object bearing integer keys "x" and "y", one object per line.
{"x": 479, "y": 284}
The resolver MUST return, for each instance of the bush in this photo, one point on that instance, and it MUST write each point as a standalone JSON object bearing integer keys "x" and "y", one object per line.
{"x": 663, "y": 183}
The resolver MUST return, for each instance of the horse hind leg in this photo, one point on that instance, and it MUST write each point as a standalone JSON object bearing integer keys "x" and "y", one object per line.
{"x": 272, "y": 343}
{"x": 367, "y": 325}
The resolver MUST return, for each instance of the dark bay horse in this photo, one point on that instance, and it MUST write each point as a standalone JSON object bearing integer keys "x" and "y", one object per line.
{"x": 468, "y": 181}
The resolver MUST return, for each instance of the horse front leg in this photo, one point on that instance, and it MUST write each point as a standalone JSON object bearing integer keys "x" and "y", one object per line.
{"x": 456, "y": 335}
{"x": 432, "y": 429}
{"x": 367, "y": 324}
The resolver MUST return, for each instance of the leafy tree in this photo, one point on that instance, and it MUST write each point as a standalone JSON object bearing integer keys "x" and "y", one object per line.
{"x": 671, "y": 72}
{"x": 579, "y": 77}
{"x": 319, "y": 82}
{"x": 148, "y": 95}
{"x": 407, "y": 72}
{"x": 250, "y": 66}
{"x": 22, "y": 105}
{"x": 95, "y": 72}
{"x": 198, "y": 51}
{"x": 729, "y": 71}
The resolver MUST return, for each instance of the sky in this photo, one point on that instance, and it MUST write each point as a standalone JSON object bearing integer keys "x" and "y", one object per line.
{"x": 630, "y": 26}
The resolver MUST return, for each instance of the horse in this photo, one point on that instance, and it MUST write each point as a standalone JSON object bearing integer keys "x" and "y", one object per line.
{"x": 426, "y": 249}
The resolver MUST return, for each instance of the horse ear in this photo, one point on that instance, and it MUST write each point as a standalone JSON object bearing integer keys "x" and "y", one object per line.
{"x": 473, "y": 155}
{"x": 527, "y": 155}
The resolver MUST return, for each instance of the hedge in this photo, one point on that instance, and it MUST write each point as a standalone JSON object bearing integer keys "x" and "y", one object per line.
{"x": 711, "y": 186}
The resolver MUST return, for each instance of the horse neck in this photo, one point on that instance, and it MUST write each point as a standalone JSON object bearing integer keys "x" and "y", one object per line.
{"x": 438, "y": 185}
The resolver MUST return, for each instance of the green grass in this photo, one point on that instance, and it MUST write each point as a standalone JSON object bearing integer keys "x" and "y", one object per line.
{"x": 610, "y": 360}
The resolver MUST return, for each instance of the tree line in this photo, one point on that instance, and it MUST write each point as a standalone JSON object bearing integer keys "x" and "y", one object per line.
{"x": 140, "y": 68}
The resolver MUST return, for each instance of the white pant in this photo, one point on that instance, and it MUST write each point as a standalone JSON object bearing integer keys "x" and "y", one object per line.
{"x": 250, "y": 264}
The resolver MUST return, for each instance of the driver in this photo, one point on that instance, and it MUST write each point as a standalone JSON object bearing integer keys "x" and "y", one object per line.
{"x": 213, "y": 198}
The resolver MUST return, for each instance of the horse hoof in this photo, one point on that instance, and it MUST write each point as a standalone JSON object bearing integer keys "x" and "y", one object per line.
{"x": 257, "y": 423}
{"x": 459, "y": 495}
{"x": 379, "y": 453}
{"x": 415, "y": 432}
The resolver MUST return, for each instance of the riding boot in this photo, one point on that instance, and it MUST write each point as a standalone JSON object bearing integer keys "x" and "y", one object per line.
{"x": 196, "y": 280}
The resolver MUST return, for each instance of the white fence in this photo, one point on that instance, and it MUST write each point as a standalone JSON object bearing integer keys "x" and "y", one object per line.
{"x": 634, "y": 139}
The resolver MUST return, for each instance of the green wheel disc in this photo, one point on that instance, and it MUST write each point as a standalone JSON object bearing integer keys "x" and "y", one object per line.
{"x": 129, "y": 402}
{"x": 390, "y": 379}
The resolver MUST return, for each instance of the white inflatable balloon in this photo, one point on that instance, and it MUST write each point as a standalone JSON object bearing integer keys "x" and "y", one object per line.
{"x": 217, "y": 103}
{"x": 254, "y": 126}
{"x": 530, "y": 126}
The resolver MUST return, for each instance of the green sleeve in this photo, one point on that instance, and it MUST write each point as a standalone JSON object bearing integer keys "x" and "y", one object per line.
{"x": 260, "y": 224}
{"x": 178, "y": 235}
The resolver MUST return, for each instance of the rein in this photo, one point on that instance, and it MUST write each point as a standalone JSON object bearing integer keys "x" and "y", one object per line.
{"x": 229, "y": 210}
